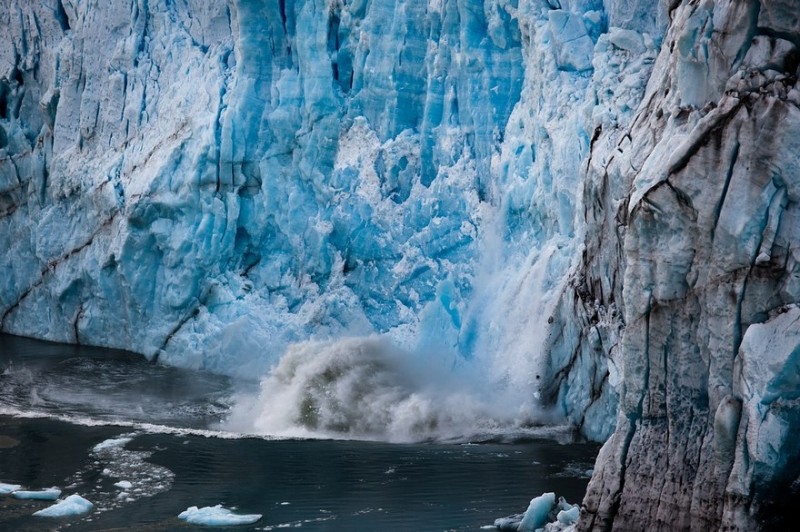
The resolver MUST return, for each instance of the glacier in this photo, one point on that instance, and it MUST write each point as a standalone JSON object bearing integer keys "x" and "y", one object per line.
{"x": 590, "y": 204}
{"x": 72, "y": 505}
{"x": 224, "y": 182}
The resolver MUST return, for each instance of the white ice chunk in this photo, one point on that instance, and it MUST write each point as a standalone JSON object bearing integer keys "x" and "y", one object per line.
{"x": 5, "y": 489}
{"x": 113, "y": 442}
{"x": 216, "y": 516}
{"x": 124, "y": 484}
{"x": 50, "y": 494}
{"x": 72, "y": 505}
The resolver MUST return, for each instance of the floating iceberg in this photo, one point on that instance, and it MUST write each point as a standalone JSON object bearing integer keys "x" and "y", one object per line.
{"x": 72, "y": 505}
{"x": 538, "y": 512}
{"x": 541, "y": 514}
{"x": 50, "y": 494}
{"x": 5, "y": 489}
{"x": 123, "y": 484}
{"x": 216, "y": 516}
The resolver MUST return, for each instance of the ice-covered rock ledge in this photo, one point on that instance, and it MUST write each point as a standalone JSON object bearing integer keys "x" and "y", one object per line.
{"x": 709, "y": 234}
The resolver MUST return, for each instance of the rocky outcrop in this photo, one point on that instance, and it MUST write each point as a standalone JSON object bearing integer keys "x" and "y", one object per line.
{"x": 707, "y": 236}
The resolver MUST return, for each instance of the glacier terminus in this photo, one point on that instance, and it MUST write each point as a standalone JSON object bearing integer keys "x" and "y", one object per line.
{"x": 426, "y": 219}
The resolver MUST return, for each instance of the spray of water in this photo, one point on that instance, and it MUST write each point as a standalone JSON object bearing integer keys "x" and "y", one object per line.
{"x": 364, "y": 388}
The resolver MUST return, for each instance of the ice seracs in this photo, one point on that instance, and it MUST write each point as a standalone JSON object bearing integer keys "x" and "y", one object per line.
{"x": 199, "y": 191}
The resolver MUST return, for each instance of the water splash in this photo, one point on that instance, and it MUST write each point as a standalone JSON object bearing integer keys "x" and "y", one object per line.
{"x": 365, "y": 388}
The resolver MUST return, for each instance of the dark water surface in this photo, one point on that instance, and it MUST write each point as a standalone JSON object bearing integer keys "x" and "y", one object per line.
{"x": 58, "y": 402}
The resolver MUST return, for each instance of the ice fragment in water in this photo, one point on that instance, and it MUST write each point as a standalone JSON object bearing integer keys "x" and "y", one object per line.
{"x": 49, "y": 494}
{"x": 216, "y": 516}
{"x": 5, "y": 489}
{"x": 72, "y": 505}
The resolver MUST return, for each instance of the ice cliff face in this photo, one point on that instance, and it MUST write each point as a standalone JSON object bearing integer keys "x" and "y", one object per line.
{"x": 707, "y": 230}
{"x": 591, "y": 202}
{"x": 209, "y": 184}
{"x": 212, "y": 183}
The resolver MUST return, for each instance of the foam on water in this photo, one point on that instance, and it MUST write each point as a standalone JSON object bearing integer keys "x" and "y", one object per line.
{"x": 152, "y": 428}
{"x": 353, "y": 388}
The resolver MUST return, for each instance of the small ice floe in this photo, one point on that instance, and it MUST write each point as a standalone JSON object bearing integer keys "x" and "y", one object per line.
{"x": 49, "y": 494}
{"x": 216, "y": 516}
{"x": 72, "y": 505}
{"x": 123, "y": 484}
{"x": 111, "y": 443}
{"x": 542, "y": 513}
{"x": 5, "y": 489}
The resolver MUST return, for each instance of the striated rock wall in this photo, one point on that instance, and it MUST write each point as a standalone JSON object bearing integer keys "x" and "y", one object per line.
{"x": 708, "y": 235}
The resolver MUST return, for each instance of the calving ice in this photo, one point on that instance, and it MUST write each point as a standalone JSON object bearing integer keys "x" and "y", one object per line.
{"x": 575, "y": 212}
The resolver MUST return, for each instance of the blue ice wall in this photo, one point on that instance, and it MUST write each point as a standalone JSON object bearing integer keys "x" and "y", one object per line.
{"x": 208, "y": 183}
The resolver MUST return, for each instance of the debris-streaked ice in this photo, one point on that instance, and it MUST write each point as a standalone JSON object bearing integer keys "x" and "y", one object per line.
{"x": 216, "y": 516}
{"x": 72, "y": 505}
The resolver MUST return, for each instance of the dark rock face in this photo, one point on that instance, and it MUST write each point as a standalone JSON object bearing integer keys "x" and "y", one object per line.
{"x": 711, "y": 272}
